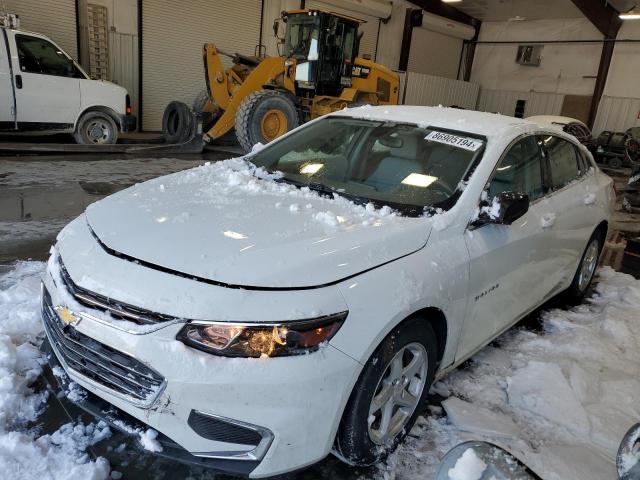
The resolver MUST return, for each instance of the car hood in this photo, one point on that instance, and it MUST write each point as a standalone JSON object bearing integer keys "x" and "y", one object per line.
{"x": 230, "y": 223}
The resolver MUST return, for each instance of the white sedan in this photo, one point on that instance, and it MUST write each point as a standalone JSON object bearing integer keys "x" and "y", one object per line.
{"x": 263, "y": 312}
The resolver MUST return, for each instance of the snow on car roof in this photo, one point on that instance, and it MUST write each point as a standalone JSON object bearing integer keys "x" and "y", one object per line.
{"x": 479, "y": 123}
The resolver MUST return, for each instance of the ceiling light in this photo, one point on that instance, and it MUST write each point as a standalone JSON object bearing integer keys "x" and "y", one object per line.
{"x": 517, "y": 18}
{"x": 451, "y": 1}
{"x": 630, "y": 15}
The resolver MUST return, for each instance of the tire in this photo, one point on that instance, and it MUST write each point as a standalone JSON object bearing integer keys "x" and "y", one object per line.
{"x": 177, "y": 122}
{"x": 263, "y": 116}
{"x": 586, "y": 268}
{"x": 96, "y": 128}
{"x": 361, "y": 440}
{"x": 615, "y": 162}
{"x": 200, "y": 101}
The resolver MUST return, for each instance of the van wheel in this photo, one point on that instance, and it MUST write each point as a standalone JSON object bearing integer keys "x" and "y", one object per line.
{"x": 96, "y": 128}
{"x": 389, "y": 395}
{"x": 587, "y": 267}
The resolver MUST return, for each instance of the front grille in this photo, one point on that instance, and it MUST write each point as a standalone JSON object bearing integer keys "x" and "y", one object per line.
{"x": 120, "y": 373}
{"x": 116, "y": 309}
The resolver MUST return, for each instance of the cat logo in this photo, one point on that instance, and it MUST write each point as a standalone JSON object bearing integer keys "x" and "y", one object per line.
{"x": 67, "y": 317}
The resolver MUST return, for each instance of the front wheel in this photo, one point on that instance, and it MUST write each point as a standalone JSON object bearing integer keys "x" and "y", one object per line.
{"x": 389, "y": 394}
{"x": 96, "y": 128}
{"x": 264, "y": 116}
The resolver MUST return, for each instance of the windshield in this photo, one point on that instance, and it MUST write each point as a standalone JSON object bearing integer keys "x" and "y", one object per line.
{"x": 404, "y": 166}
{"x": 302, "y": 36}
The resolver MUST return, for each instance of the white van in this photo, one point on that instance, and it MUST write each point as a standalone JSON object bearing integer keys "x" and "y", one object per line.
{"x": 42, "y": 90}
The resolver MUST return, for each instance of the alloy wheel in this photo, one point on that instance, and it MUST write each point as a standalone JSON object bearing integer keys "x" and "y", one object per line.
{"x": 398, "y": 393}
{"x": 588, "y": 266}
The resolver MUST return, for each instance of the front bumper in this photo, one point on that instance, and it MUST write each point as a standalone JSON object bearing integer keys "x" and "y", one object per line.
{"x": 128, "y": 425}
{"x": 127, "y": 123}
{"x": 298, "y": 401}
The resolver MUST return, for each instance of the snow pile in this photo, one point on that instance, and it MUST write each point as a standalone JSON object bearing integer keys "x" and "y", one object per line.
{"x": 468, "y": 467}
{"x": 24, "y": 455}
{"x": 560, "y": 399}
{"x": 231, "y": 180}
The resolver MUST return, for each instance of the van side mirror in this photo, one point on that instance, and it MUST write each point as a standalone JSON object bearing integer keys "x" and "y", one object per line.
{"x": 506, "y": 208}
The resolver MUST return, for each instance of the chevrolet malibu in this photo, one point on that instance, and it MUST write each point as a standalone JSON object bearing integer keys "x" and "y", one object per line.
{"x": 263, "y": 312}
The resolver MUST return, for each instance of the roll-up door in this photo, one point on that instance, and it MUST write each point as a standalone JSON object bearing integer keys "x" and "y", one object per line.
{"x": 436, "y": 46}
{"x": 172, "y": 37}
{"x": 369, "y": 28}
{"x": 434, "y": 53}
{"x": 54, "y": 18}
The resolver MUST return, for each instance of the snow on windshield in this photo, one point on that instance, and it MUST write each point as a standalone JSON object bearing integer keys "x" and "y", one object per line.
{"x": 221, "y": 182}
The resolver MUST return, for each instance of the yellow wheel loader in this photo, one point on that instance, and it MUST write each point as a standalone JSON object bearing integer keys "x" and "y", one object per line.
{"x": 319, "y": 72}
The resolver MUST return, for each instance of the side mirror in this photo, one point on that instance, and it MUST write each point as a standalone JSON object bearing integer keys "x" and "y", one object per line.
{"x": 506, "y": 208}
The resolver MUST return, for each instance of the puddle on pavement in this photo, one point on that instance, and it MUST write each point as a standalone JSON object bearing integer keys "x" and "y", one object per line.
{"x": 40, "y": 195}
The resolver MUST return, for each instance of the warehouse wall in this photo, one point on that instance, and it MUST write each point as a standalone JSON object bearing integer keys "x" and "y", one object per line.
{"x": 565, "y": 68}
{"x": 54, "y": 18}
{"x": 624, "y": 72}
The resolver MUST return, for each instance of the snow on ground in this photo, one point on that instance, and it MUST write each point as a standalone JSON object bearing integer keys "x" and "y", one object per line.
{"x": 561, "y": 399}
{"x": 25, "y": 455}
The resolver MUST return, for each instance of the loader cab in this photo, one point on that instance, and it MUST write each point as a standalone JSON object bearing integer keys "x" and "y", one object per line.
{"x": 324, "y": 46}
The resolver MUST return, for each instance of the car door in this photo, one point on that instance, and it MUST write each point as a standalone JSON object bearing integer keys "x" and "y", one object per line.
{"x": 572, "y": 200}
{"x": 47, "y": 84}
{"x": 6, "y": 89}
{"x": 508, "y": 263}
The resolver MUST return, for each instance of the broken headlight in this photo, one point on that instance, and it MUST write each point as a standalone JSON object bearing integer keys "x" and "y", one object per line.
{"x": 257, "y": 340}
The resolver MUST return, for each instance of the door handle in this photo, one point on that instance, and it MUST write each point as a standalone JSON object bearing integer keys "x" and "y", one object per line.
{"x": 548, "y": 220}
{"x": 18, "y": 81}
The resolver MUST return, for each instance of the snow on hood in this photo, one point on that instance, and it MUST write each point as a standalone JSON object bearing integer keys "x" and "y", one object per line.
{"x": 232, "y": 223}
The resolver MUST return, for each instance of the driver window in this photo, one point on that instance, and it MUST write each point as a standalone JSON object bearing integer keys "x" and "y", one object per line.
{"x": 37, "y": 55}
{"x": 520, "y": 170}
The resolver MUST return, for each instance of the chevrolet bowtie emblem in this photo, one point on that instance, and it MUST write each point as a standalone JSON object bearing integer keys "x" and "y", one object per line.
{"x": 67, "y": 316}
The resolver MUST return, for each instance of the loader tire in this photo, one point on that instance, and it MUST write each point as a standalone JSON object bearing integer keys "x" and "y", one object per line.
{"x": 263, "y": 116}
{"x": 177, "y": 122}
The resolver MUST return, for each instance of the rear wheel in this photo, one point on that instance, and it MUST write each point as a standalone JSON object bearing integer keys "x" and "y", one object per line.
{"x": 264, "y": 116}
{"x": 587, "y": 267}
{"x": 389, "y": 396}
{"x": 96, "y": 128}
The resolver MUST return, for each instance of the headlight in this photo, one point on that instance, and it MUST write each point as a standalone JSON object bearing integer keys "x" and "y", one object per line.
{"x": 256, "y": 340}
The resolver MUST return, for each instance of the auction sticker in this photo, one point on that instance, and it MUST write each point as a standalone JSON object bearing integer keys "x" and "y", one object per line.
{"x": 467, "y": 143}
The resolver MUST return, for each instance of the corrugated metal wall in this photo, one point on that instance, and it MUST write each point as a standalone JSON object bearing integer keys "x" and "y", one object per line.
{"x": 617, "y": 114}
{"x": 172, "y": 37}
{"x": 54, "y": 18}
{"x": 369, "y": 29}
{"x": 123, "y": 63}
{"x": 502, "y": 101}
{"x": 430, "y": 90}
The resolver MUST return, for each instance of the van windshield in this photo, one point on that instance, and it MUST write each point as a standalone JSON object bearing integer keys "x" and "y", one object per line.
{"x": 404, "y": 166}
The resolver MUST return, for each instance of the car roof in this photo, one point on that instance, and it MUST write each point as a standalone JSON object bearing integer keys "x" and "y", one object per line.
{"x": 478, "y": 123}
{"x": 551, "y": 119}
